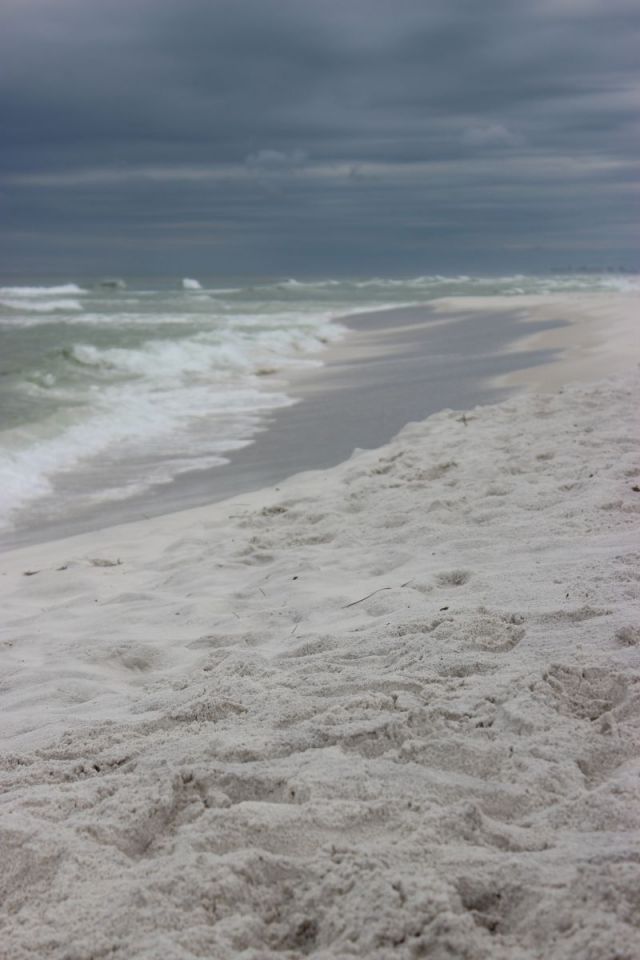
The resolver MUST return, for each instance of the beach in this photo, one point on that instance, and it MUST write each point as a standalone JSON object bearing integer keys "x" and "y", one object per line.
{"x": 388, "y": 708}
{"x": 122, "y": 404}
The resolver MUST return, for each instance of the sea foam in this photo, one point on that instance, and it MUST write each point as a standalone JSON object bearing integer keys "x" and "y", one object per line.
{"x": 40, "y": 305}
{"x": 123, "y": 390}
{"x": 127, "y": 417}
{"x": 40, "y": 291}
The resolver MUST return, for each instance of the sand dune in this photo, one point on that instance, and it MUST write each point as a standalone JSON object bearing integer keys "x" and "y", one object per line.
{"x": 388, "y": 710}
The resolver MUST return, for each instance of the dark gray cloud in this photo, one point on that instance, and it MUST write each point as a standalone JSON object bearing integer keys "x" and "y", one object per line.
{"x": 320, "y": 137}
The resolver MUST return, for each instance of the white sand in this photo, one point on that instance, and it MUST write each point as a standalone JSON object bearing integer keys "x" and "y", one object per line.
{"x": 389, "y": 710}
{"x": 602, "y": 335}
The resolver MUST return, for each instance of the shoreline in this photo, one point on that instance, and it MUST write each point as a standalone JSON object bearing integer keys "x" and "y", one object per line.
{"x": 566, "y": 333}
{"x": 386, "y": 709}
{"x": 415, "y": 672}
{"x": 394, "y": 366}
{"x": 599, "y": 336}
{"x": 384, "y": 373}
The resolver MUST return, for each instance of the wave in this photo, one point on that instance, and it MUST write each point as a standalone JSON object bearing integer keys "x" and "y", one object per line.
{"x": 92, "y": 319}
{"x": 60, "y": 290}
{"x": 188, "y": 284}
{"x": 158, "y": 382}
{"x": 129, "y": 417}
{"x": 41, "y": 306}
{"x": 241, "y": 349}
{"x": 111, "y": 283}
{"x": 292, "y": 284}
{"x": 126, "y": 420}
{"x": 509, "y": 284}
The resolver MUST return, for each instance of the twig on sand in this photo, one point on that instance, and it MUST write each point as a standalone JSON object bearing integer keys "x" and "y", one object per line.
{"x": 379, "y": 590}
{"x": 353, "y": 603}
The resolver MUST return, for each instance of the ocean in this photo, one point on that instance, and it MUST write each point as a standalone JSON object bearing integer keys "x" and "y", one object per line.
{"x": 109, "y": 389}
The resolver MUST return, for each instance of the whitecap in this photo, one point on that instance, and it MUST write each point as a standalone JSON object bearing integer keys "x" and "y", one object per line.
{"x": 60, "y": 290}
{"x": 41, "y": 306}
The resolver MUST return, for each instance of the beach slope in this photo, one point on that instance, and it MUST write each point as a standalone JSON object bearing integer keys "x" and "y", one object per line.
{"x": 387, "y": 710}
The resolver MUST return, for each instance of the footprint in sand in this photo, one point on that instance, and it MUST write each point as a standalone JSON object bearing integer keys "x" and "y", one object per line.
{"x": 576, "y": 615}
{"x": 453, "y": 578}
{"x": 495, "y": 632}
{"x": 584, "y": 692}
{"x": 628, "y": 636}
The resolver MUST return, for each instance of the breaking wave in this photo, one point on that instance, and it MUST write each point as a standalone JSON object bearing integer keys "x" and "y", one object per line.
{"x": 55, "y": 291}
{"x": 125, "y": 387}
{"x": 62, "y": 305}
{"x": 120, "y": 414}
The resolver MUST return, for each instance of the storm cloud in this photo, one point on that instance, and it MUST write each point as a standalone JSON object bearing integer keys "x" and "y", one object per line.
{"x": 318, "y": 138}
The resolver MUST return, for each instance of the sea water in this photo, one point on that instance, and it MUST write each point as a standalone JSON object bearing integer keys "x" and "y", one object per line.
{"x": 109, "y": 388}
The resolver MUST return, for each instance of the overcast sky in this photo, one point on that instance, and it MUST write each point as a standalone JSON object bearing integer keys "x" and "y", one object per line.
{"x": 318, "y": 137}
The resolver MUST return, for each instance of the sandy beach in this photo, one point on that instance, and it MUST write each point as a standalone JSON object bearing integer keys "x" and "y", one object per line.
{"x": 598, "y": 335}
{"x": 388, "y": 709}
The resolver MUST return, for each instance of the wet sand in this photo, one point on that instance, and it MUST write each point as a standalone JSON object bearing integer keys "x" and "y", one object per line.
{"x": 394, "y": 367}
